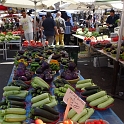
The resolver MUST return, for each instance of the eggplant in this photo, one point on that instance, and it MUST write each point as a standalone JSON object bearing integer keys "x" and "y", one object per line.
{"x": 45, "y": 65}
{"x": 71, "y": 66}
{"x": 56, "y": 56}
{"x": 37, "y": 59}
{"x": 21, "y": 52}
{"x": 39, "y": 71}
{"x": 23, "y": 78}
{"x": 20, "y": 72}
{"x": 48, "y": 78}
{"x": 41, "y": 75}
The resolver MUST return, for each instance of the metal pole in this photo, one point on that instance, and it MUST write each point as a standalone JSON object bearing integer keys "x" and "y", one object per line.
{"x": 120, "y": 34}
{"x": 35, "y": 2}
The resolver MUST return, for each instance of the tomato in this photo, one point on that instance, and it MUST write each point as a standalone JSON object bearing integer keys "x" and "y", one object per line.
{"x": 67, "y": 122}
{"x": 38, "y": 121}
{"x": 88, "y": 123}
{"x": 92, "y": 122}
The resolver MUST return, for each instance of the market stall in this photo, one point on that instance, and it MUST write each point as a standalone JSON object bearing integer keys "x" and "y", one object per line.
{"x": 36, "y": 79}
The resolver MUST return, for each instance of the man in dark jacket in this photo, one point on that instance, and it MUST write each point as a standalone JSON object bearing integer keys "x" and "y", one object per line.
{"x": 50, "y": 28}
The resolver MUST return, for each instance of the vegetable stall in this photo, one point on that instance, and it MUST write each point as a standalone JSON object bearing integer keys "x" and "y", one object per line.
{"x": 36, "y": 88}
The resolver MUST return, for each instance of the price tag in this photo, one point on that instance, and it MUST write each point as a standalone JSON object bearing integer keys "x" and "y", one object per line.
{"x": 49, "y": 58}
{"x": 76, "y": 102}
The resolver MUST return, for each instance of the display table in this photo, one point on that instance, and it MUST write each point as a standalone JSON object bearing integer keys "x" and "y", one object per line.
{"x": 13, "y": 42}
{"x": 107, "y": 115}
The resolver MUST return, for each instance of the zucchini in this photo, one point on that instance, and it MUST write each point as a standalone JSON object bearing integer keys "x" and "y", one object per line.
{"x": 89, "y": 92}
{"x": 2, "y": 112}
{"x": 71, "y": 113}
{"x": 68, "y": 86}
{"x": 14, "y": 106}
{"x": 84, "y": 81}
{"x": 41, "y": 103}
{"x": 23, "y": 93}
{"x": 62, "y": 89}
{"x": 45, "y": 114}
{"x": 10, "y": 88}
{"x": 95, "y": 96}
{"x": 16, "y": 103}
{"x": 40, "y": 97}
{"x": 3, "y": 102}
{"x": 92, "y": 87}
{"x": 106, "y": 103}
{"x": 86, "y": 116}
{"x": 49, "y": 109}
{"x": 52, "y": 103}
{"x": 19, "y": 111}
{"x": 76, "y": 117}
{"x": 98, "y": 101}
{"x": 8, "y": 93}
{"x": 80, "y": 86}
{"x": 21, "y": 84}
{"x": 16, "y": 98}
{"x": 45, "y": 120}
{"x": 14, "y": 118}
{"x": 4, "y": 122}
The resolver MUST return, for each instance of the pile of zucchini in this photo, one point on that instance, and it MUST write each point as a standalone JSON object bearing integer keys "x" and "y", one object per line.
{"x": 43, "y": 99}
{"x": 46, "y": 114}
{"x": 90, "y": 90}
{"x": 82, "y": 117}
{"x": 60, "y": 92}
{"x": 82, "y": 84}
{"x": 37, "y": 82}
{"x": 100, "y": 100}
{"x": 12, "y": 115}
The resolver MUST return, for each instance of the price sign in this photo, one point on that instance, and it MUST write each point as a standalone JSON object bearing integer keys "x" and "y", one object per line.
{"x": 49, "y": 58}
{"x": 76, "y": 102}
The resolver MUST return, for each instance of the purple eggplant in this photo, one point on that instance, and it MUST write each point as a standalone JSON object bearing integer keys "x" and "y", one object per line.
{"x": 45, "y": 65}
{"x": 48, "y": 78}
{"x": 23, "y": 78}
{"x": 21, "y": 52}
{"x": 71, "y": 66}
{"x": 39, "y": 71}
{"x": 68, "y": 76}
{"x": 41, "y": 75}
{"x": 37, "y": 59}
{"x": 20, "y": 72}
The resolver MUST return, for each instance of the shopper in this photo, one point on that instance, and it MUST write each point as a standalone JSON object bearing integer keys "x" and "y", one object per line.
{"x": 67, "y": 31}
{"x": 60, "y": 22}
{"x": 49, "y": 27}
{"x": 26, "y": 23}
{"x": 112, "y": 21}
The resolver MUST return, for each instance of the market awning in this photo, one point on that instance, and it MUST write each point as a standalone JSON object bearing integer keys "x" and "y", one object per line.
{"x": 3, "y": 8}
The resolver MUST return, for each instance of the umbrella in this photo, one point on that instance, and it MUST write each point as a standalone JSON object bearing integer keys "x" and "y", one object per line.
{"x": 3, "y": 8}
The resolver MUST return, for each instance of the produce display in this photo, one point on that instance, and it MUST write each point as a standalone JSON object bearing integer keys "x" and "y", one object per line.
{"x": 38, "y": 87}
{"x": 8, "y": 37}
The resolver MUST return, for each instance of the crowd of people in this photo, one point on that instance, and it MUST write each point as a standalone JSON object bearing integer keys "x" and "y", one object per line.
{"x": 56, "y": 31}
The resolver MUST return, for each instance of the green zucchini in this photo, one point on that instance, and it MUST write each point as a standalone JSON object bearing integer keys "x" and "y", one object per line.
{"x": 4, "y": 122}
{"x": 45, "y": 120}
{"x": 49, "y": 109}
{"x": 71, "y": 113}
{"x": 41, "y": 103}
{"x": 44, "y": 113}
{"x": 89, "y": 92}
{"x": 95, "y": 96}
{"x": 84, "y": 81}
{"x": 68, "y": 86}
{"x": 16, "y": 103}
{"x": 16, "y": 98}
{"x": 2, "y": 112}
{"x": 14, "y": 118}
{"x": 106, "y": 103}
{"x": 62, "y": 89}
{"x": 76, "y": 117}
{"x": 19, "y": 111}
{"x": 40, "y": 97}
{"x": 23, "y": 93}
{"x": 11, "y": 88}
{"x": 8, "y": 93}
{"x": 98, "y": 101}
{"x": 52, "y": 103}
{"x": 3, "y": 102}
{"x": 80, "y": 86}
{"x": 86, "y": 116}
{"x": 92, "y": 87}
{"x": 14, "y": 106}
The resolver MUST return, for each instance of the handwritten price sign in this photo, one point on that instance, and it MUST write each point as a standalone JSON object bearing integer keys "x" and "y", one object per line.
{"x": 76, "y": 102}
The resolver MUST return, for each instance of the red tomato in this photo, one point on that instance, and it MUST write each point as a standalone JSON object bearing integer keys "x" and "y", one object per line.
{"x": 88, "y": 123}
{"x": 92, "y": 122}
{"x": 38, "y": 121}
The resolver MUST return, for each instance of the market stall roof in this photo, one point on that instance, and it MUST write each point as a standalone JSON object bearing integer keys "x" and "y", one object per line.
{"x": 30, "y": 3}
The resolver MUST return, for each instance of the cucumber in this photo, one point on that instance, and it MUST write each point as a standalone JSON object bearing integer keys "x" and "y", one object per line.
{"x": 80, "y": 86}
{"x": 11, "y": 88}
{"x": 71, "y": 113}
{"x": 40, "y": 97}
{"x": 98, "y": 101}
{"x": 19, "y": 111}
{"x": 89, "y": 92}
{"x": 84, "y": 81}
{"x": 92, "y": 87}
{"x": 95, "y": 96}
{"x": 106, "y": 103}
{"x": 86, "y": 116}
{"x": 78, "y": 116}
{"x": 68, "y": 86}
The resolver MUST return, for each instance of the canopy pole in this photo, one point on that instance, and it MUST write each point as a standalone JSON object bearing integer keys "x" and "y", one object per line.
{"x": 120, "y": 34}
{"x": 35, "y": 2}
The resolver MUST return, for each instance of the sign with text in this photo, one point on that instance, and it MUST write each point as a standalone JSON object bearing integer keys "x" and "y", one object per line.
{"x": 49, "y": 58}
{"x": 76, "y": 102}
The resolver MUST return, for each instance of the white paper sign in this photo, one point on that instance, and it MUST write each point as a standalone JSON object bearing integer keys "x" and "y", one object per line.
{"x": 76, "y": 102}
{"x": 49, "y": 58}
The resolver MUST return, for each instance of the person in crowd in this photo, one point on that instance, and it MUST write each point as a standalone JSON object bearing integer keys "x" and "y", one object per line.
{"x": 26, "y": 23}
{"x": 60, "y": 22}
{"x": 67, "y": 31}
{"x": 42, "y": 19}
{"x": 111, "y": 21}
{"x": 49, "y": 27}
{"x": 37, "y": 28}
{"x": 1, "y": 25}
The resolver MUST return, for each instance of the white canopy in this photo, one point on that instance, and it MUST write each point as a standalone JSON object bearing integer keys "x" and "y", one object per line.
{"x": 30, "y": 3}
